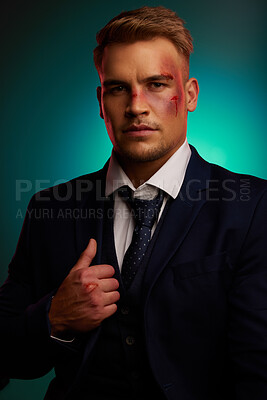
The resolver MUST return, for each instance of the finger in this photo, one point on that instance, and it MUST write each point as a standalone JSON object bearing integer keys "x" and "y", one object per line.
{"x": 101, "y": 271}
{"x": 109, "y": 310}
{"x": 87, "y": 255}
{"x": 111, "y": 298}
{"x": 108, "y": 285}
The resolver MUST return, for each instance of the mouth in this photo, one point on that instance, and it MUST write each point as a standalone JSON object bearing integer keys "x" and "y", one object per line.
{"x": 139, "y": 130}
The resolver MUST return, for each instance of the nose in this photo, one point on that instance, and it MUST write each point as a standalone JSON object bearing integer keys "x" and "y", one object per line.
{"x": 137, "y": 105}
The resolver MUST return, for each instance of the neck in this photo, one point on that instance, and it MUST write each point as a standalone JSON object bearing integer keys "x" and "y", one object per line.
{"x": 139, "y": 172}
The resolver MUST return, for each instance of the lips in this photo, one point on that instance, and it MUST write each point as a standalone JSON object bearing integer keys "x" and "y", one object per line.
{"x": 138, "y": 128}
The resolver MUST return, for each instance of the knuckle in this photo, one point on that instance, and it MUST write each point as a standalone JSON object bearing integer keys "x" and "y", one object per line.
{"x": 82, "y": 274}
{"x": 95, "y": 319}
{"x": 89, "y": 286}
{"x": 97, "y": 316}
{"x": 85, "y": 274}
{"x": 95, "y": 299}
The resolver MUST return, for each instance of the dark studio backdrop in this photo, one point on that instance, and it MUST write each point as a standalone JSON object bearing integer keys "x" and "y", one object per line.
{"x": 50, "y": 125}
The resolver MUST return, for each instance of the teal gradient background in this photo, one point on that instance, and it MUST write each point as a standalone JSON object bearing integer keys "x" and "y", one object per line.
{"x": 50, "y": 127}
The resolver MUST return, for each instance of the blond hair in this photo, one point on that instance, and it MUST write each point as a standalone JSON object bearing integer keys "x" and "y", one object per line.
{"x": 144, "y": 24}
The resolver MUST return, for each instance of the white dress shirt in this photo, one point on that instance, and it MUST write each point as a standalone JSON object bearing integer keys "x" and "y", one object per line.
{"x": 169, "y": 178}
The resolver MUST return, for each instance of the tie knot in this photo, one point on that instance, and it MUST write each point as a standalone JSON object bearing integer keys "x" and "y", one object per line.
{"x": 145, "y": 211}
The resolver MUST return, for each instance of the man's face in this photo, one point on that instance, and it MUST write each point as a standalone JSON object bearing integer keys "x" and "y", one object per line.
{"x": 144, "y": 99}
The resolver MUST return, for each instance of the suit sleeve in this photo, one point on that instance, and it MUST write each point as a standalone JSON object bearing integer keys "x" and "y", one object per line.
{"x": 26, "y": 349}
{"x": 248, "y": 315}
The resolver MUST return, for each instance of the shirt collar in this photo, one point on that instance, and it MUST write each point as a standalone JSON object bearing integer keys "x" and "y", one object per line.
{"x": 169, "y": 177}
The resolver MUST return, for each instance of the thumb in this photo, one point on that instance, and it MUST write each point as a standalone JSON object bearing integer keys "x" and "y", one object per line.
{"x": 87, "y": 255}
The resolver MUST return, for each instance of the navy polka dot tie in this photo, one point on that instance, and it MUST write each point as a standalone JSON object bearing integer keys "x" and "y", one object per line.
{"x": 145, "y": 214}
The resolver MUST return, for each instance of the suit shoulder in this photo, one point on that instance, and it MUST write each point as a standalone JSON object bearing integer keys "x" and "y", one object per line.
{"x": 70, "y": 192}
{"x": 255, "y": 184}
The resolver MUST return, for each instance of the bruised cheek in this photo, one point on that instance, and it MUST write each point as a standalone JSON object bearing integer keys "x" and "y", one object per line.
{"x": 168, "y": 106}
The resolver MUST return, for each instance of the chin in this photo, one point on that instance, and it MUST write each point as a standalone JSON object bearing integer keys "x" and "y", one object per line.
{"x": 141, "y": 155}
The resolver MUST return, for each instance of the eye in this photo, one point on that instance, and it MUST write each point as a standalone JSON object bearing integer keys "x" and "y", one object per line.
{"x": 156, "y": 86}
{"x": 117, "y": 89}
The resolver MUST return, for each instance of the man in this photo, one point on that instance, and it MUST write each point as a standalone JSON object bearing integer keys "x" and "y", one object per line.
{"x": 168, "y": 299}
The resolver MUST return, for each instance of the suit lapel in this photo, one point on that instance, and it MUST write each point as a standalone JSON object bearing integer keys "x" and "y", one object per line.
{"x": 180, "y": 216}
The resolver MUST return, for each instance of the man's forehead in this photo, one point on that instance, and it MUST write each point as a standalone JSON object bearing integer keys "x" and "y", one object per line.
{"x": 143, "y": 58}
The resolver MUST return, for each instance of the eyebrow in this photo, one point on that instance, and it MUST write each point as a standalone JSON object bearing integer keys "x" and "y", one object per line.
{"x": 111, "y": 82}
{"x": 162, "y": 77}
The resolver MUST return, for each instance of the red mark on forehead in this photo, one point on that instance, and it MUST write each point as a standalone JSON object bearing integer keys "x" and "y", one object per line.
{"x": 175, "y": 99}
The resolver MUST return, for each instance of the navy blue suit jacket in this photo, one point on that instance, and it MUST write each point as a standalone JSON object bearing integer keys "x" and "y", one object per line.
{"x": 204, "y": 291}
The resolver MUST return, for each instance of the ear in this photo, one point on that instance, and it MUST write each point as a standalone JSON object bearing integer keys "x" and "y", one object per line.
{"x": 98, "y": 94}
{"x": 191, "y": 93}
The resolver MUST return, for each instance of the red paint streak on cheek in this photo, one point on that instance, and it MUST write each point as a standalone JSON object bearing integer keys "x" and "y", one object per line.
{"x": 175, "y": 100}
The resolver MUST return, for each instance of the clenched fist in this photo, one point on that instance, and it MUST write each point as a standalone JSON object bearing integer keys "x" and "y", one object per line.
{"x": 86, "y": 297}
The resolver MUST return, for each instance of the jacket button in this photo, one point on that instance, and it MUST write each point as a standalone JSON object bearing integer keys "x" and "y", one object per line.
{"x": 130, "y": 340}
{"x": 125, "y": 310}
